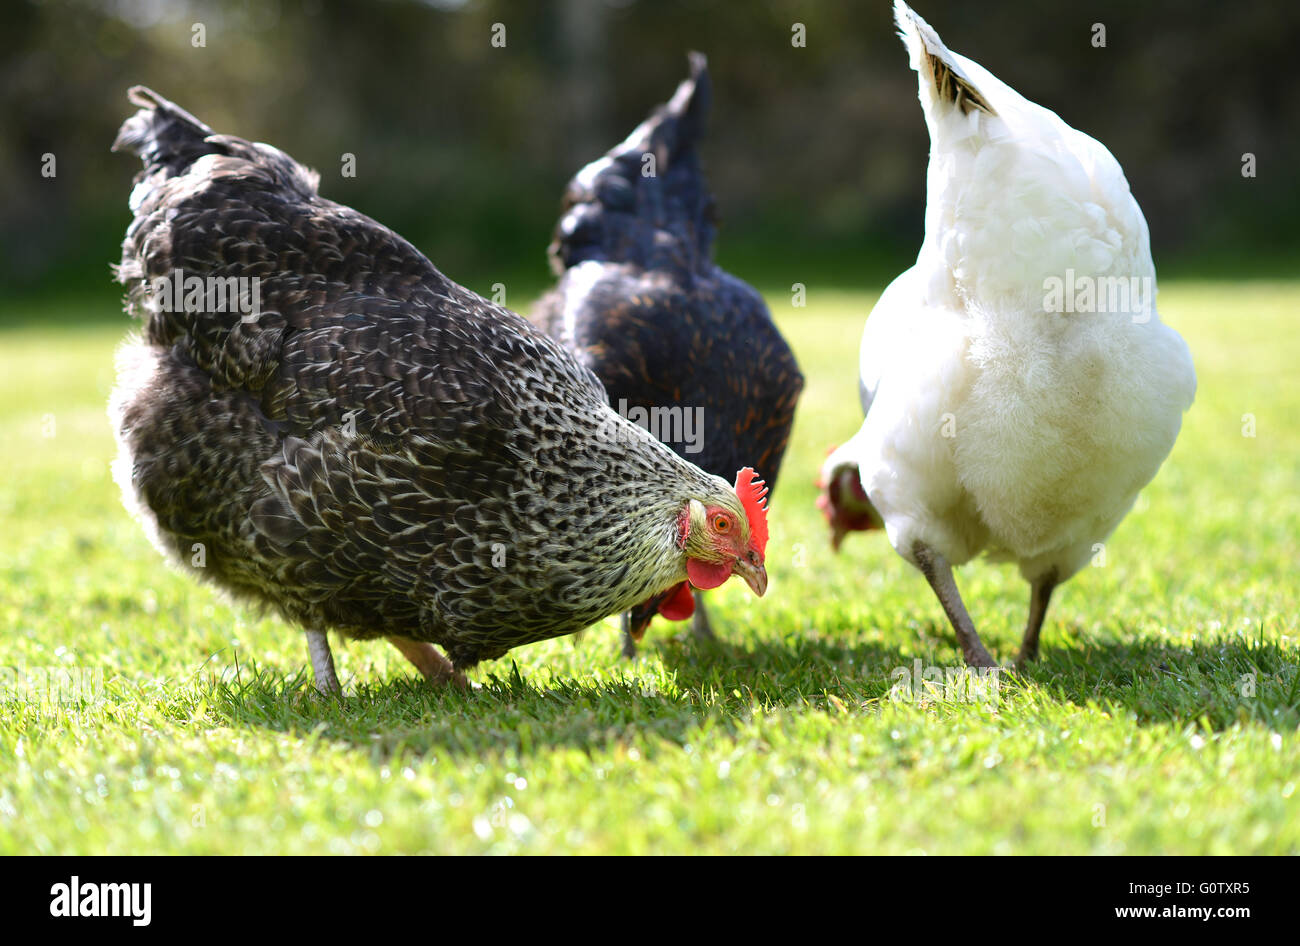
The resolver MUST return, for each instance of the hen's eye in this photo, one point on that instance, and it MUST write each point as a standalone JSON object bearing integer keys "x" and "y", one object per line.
{"x": 721, "y": 524}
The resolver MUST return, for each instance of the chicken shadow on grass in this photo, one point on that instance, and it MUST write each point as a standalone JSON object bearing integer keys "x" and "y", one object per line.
{"x": 717, "y": 683}
{"x": 1216, "y": 683}
{"x": 714, "y": 685}
{"x": 1213, "y": 684}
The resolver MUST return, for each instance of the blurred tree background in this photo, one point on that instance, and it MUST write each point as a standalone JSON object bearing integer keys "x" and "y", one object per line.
{"x": 816, "y": 153}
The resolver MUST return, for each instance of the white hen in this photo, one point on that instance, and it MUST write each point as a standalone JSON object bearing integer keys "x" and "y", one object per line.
{"x": 1018, "y": 385}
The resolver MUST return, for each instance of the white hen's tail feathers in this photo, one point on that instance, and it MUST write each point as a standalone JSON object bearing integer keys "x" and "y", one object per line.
{"x": 1016, "y": 197}
{"x": 933, "y": 61}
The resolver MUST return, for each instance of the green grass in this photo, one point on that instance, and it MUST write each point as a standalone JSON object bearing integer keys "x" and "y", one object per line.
{"x": 1138, "y": 732}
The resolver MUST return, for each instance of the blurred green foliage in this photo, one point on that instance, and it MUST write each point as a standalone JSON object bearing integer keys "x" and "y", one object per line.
{"x": 817, "y": 154}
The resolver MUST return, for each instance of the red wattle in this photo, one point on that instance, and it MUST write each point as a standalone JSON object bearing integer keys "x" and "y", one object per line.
{"x": 705, "y": 575}
{"x": 680, "y": 603}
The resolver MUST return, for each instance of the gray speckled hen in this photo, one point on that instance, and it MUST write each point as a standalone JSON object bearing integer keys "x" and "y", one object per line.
{"x": 642, "y": 303}
{"x": 372, "y": 448}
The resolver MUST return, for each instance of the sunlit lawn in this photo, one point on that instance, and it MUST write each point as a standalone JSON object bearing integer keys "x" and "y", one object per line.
{"x": 1162, "y": 718}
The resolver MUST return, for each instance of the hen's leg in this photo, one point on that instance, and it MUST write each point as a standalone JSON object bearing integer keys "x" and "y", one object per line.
{"x": 938, "y": 573}
{"x": 700, "y": 623}
{"x": 322, "y": 664}
{"x": 1039, "y": 598}
{"x": 629, "y": 642}
{"x": 434, "y": 666}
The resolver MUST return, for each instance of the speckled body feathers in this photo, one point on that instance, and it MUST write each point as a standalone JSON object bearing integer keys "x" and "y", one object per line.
{"x": 379, "y": 451}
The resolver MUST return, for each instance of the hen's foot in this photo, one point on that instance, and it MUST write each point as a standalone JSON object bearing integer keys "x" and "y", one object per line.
{"x": 700, "y": 625}
{"x": 938, "y": 573}
{"x": 629, "y": 641}
{"x": 322, "y": 664}
{"x": 1039, "y": 598}
{"x": 435, "y": 668}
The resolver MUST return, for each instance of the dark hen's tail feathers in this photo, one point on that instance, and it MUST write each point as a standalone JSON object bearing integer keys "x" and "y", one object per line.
{"x": 162, "y": 133}
{"x": 646, "y": 201}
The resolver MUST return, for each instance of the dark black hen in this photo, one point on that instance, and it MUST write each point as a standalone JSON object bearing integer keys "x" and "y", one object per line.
{"x": 370, "y": 447}
{"x": 668, "y": 333}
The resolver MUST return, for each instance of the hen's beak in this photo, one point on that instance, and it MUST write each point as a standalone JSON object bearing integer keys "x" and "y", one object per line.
{"x": 754, "y": 573}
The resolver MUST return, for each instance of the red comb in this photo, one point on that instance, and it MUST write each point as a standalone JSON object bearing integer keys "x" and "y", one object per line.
{"x": 753, "y": 496}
